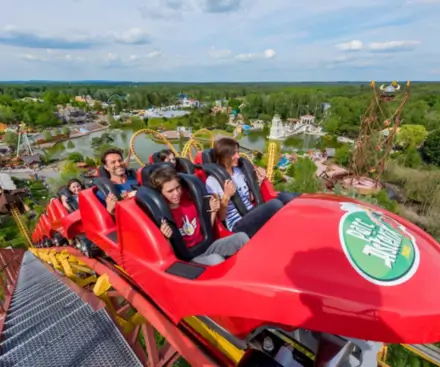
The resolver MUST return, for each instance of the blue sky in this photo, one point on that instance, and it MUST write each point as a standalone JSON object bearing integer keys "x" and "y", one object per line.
{"x": 220, "y": 40}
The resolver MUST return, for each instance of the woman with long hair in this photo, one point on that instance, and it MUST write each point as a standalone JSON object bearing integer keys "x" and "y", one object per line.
{"x": 226, "y": 154}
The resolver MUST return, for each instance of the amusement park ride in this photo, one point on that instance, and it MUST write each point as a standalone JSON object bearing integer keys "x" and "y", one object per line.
{"x": 376, "y": 138}
{"x": 326, "y": 282}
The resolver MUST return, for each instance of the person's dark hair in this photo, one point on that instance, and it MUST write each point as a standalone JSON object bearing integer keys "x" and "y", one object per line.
{"x": 161, "y": 176}
{"x": 224, "y": 149}
{"x": 74, "y": 180}
{"x": 164, "y": 154}
{"x": 110, "y": 151}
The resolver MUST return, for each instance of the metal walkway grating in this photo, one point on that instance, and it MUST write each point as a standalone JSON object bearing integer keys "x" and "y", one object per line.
{"x": 50, "y": 325}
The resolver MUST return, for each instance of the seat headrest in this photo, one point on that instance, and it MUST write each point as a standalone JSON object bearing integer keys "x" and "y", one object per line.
{"x": 248, "y": 170}
{"x": 184, "y": 165}
{"x": 155, "y": 206}
{"x": 106, "y": 187}
{"x": 103, "y": 172}
{"x": 208, "y": 156}
{"x": 73, "y": 204}
{"x": 193, "y": 185}
{"x": 221, "y": 175}
{"x": 149, "y": 169}
{"x": 155, "y": 158}
{"x": 64, "y": 191}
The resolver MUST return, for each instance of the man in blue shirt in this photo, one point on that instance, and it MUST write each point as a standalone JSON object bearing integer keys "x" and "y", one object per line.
{"x": 114, "y": 164}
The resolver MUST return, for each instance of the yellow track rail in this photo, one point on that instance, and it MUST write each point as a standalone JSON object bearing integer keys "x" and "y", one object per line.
{"x": 272, "y": 153}
{"x": 205, "y": 131}
{"x": 155, "y": 134}
{"x": 81, "y": 274}
{"x": 187, "y": 148}
{"x": 23, "y": 229}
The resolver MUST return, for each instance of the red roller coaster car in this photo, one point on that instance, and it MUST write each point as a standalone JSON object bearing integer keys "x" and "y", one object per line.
{"x": 325, "y": 270}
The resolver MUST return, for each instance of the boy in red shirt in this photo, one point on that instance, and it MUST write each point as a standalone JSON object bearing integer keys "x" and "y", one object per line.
{"x": 166, "y": 181}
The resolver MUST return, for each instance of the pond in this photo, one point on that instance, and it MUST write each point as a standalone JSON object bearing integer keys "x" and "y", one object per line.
{"x": 144, "y": 146}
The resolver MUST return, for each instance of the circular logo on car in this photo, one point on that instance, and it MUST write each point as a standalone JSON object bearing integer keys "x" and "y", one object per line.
{"x": 380, "y": 249}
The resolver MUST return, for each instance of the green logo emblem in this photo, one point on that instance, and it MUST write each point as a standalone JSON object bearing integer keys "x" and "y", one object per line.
{"x": 380, "y": 249}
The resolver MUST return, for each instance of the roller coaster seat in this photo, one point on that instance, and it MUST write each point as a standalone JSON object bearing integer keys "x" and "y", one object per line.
{"x": 183, "y": 165}
{"x": 71, "y": 202}
{"x": 145, "y": 174}
{"x": 147, "y": 170}
{"x": 155, "y": 206}
{"x": 207, "y": 156}
{"x": 98, "y": 224}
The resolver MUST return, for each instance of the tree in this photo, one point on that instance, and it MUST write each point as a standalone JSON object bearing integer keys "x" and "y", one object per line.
{"x": 47, "y": 135}
{"x": 66, "y": 131}
{"x": 411, "y": 135}
{"x": 11, "y": 139}
{"x": 431, "y": 148}
{"x": 75, "y": 157}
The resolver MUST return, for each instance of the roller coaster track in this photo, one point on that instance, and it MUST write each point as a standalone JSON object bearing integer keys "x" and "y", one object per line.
{"x": 136, "y": 314}
{"x": 156, "y": 135}
{"x": 205, "y": 131}
{"x": 187, "y": 148}
{"x": 271, "y": 159}
{"x": 21, "y": 226}
{"x": 428, "y": 352}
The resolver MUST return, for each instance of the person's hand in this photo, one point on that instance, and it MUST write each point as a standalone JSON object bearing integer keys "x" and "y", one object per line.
{"x": 131, "y": 194}
{"x": 111, "y": 201}
{"x": 214, "y": 204}
{"x": 229, "y": 188}
{"x": 261, "y": 174}
{"x": 165, "y": 228}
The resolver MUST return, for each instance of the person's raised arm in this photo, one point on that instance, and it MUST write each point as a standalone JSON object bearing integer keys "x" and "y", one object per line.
{"x": 214, "y": 207}
{"x": 65, "y": 203}
{"x": 213, "y": 187}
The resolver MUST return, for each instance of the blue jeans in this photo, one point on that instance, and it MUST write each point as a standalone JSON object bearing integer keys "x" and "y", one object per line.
{"x": 286, "y": 197}
{"x": 252, "y": 221}
{"x": 258, "y": 216}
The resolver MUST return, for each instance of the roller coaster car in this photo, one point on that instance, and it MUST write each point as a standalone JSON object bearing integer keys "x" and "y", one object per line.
{"x": 37, "y": 236}
{"x": 45, "y": 229}
{"x": 323, "y": 266}
{"x": 183, "y": 165}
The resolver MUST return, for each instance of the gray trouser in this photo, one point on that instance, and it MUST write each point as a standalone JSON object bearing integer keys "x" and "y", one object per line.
{"x": 224, "y": 247}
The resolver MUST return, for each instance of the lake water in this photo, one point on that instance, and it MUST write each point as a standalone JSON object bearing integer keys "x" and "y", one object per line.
{"x": 144, "y": 146}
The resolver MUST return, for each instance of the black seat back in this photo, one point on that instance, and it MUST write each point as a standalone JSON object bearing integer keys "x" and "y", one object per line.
{"x": 208, "y": 156}
{"x": 71, "y": 202}
{"x": 250, "y": 175}
{"x": 155, "y": 206}
{"x": 249, "y": 172}
{"x": 221, "y": 175}
{"x": 106, "y": 186}
{"x": 149, "y": 169}
{"x": 183, "y": 165}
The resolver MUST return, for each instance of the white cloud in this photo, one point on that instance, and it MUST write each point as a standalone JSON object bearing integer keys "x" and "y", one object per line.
{"x": 354, "y": 45}
{"x": 393, "y": 45}
{"x": 269, "y": 54}
{"x": 219, "y": 54}
{"x": 52, "y": 56}
{"x": 277, "y": 40}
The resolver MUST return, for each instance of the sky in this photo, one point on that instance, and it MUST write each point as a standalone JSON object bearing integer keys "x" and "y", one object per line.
{"x": 220, "y": 40}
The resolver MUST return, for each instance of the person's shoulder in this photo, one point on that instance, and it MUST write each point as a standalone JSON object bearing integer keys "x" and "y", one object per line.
{"x": 212, "y": 182}
{"x": 238, "y": 171}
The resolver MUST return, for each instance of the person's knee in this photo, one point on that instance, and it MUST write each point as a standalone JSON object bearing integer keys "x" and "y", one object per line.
{"x": 213, "y": 259}
{"x": 275, "y": 205}
{"x": 241, "y": 239}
